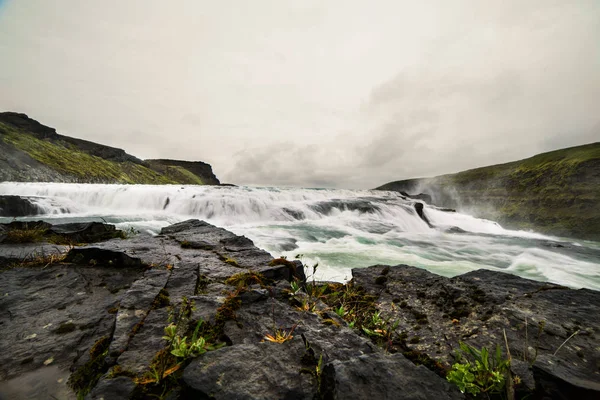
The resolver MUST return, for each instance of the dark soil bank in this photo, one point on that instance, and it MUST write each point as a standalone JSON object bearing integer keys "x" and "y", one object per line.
{"x": 198, "y": 312}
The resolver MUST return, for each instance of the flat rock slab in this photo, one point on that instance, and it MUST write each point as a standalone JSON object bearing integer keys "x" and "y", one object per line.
{"x": 270, "y": 371}
{"x": 381, "y": 376}
{"x": 13, "y": 255}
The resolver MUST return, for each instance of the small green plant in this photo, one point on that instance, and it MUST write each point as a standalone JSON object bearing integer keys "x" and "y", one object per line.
{"x": 294, "y": 288}
{"x": 181, "y": 348}
{"x": 478, "y": 372}
{"x": 341, "y": 311}
{"x": 378, "y": 327}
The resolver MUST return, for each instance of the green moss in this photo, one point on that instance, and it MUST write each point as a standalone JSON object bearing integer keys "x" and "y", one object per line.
{"x": 85, "y": 377}
{"x": 244, "y": 279}
{"x": 32, "y": 235}
{"x": 283, "y": 261}
{"x": 231, "y": 261}
{"x": 65, "y": 328}
{"x": 201, "y": 284}
{"x": 182, "y": 175}
{"x": 161, "y": 300}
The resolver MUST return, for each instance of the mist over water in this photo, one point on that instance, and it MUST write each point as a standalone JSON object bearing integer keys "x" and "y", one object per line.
{"x": 339, "y": 229}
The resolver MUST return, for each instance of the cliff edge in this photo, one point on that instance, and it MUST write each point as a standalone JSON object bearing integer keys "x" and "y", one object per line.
{"x": 555, "y": 193}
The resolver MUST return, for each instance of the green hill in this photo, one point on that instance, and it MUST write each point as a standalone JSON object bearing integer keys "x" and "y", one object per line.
{"x": 556, "y": 193}
{"x": 32, "y": 152}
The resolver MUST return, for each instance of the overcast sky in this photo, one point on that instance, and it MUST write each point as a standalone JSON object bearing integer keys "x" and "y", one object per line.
{"x": 309, "y": 93}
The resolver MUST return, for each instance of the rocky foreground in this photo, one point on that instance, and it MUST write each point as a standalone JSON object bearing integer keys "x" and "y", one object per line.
{"x": 198, "y": 312}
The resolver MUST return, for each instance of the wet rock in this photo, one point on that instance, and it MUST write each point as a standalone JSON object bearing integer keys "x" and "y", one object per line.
{"x": 27, "y": 225}
{"x": 454, "y": 229}
{"x": 421, "y": 214}
{"x": 478, "y": 307}
{"x": 383, "y": 377}
{"x": 197, "y": 245}
{"x": 16, "y": 206}
{"x": 559, "y": 379}
{"x": 94, "y": 255}
{"x": 86, "y": 232}
{"x": 54, "y": 315}
{"x": 251, "y": 371}
{"x": 237, "y": 243}
{"x": 20, "y": 254}
{"x": 119, "y": 388}
{"x": 296, "y": 214}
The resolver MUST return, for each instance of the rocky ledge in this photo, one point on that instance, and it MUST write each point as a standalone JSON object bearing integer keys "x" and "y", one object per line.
{"x": 198, "y": 312}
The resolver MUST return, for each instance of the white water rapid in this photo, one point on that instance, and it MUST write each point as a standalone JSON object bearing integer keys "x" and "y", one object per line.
{"x": 339, "y": 229}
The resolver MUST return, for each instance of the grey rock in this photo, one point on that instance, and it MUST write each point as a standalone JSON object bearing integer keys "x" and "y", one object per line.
{"x": 270, "y": 371}
{"x": 557, "y": 378}
{"x": 119, "y": 388}
{"x": 18, "y": 254}
{"x": 383, "y": 376}
{"x": 478, "y": 307}
{"x": 85, "y": 232}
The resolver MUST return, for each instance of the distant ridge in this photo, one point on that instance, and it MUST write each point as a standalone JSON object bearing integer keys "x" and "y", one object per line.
{"x": 555, "y": 193}
{"x": 33, "y": 152}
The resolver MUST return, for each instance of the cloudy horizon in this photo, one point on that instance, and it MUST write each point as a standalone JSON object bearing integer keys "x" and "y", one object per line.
{"x": 313, "y": 94}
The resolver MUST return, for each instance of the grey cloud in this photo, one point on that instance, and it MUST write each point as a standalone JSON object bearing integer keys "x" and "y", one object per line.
{"x": 336, "y": 94}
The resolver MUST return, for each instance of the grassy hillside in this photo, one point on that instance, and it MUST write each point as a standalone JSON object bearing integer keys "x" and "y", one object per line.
{"x": 556, "y": 192}
{"x": 30, "y": 151}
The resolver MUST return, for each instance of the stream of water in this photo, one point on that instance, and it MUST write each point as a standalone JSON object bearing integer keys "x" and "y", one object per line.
{"x": 339, "y": 229}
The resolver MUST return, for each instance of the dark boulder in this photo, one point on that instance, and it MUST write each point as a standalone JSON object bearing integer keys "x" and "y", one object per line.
{"x": 251, "y": 371}
{"x": 383, "y": 377}
{"x": 421, "y": 214}
{"x": 16, "y": 206}
{"x": 119, "y": 388}
{"x": 94, "y": 255}
{"x": 86, "y": 232}
{"x": 454, "y": 229}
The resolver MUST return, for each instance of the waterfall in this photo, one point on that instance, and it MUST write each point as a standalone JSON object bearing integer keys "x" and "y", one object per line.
{"x": 339, "y": 229}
